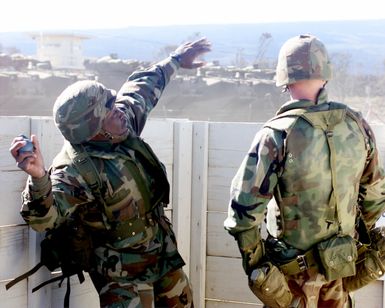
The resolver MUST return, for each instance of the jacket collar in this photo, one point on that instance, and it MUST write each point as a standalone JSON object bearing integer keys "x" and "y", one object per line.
{"x": 304, "y": 103}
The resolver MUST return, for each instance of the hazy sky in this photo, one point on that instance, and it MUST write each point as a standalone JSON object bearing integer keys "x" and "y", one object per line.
{"x": 27, "y": 15}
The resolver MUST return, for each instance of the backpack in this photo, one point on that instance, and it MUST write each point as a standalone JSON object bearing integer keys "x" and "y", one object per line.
{"x": 69, "y": 247}
{"x": 337, "y": 252}
{"x": 324, "y": 118}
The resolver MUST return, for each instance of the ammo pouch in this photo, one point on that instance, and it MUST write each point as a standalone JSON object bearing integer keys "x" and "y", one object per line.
{"x": 338, "y": 256}
{"x": 268, "y": 283}
{"x": 133, "y": 232}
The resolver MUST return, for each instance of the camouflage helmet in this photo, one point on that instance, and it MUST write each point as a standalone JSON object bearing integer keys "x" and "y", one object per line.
{"x": 302, "y": 57}
{"x": 80, "y": 109}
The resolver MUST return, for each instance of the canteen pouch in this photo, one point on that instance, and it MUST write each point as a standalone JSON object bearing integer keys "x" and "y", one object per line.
{"x": 338, "y": 257}
{"x": 270, "y": 286}
{"x": 369, "y": 269}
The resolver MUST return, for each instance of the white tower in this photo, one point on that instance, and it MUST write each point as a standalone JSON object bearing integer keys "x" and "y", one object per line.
{"x": 62, "y": 50}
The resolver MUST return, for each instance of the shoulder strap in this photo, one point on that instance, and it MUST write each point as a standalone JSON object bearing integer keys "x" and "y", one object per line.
{"x": 285, "y": 120}
{"x": 88, "y": 171}
{"x": 85, "y": 166}
{"x": 358, "y": 119}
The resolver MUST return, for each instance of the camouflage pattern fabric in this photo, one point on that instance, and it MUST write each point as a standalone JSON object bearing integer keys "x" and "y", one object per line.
{"x": 172, "y": 290}
{"x": 119, "y": 273}
{"x": 80, "y": 109}
{"x": 289, "y": 161}
{"x": 47, "y": 201}
{"x": 303, "y": 57}
{"x": 311, "y": 290}
{"x": 301, "y": 166}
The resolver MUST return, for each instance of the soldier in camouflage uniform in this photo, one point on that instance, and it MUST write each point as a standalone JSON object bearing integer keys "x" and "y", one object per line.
{"x": 312, "y": 169}
{"x": 106, "y": 125}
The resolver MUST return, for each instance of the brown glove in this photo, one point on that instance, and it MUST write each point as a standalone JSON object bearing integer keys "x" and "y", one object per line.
{"x": 368, "y": 269}
{"x": 377, "y": 237}
{"x": 371, "y": 263}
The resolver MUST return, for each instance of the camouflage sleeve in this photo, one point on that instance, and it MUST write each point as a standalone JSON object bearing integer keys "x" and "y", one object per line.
{"x": 141, "y": 92}
{"x": 372, "y": 184}
{"x": 253, "y": 185}
{"x": 47, "y": 200}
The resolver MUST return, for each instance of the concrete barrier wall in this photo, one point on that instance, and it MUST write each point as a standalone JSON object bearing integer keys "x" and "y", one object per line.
{"x": 201, "y": 158}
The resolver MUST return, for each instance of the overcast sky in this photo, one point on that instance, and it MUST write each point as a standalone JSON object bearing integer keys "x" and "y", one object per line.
{"x": 32, "y": 15}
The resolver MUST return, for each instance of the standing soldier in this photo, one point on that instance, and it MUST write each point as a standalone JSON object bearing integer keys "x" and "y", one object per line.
{"x": 318, "y": 160}
{"x": 133, "y": 240}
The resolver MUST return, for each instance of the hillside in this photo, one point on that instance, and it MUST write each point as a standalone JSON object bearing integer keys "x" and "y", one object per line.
{"x": 362, "y": 41}
{"x": 227, "y": 89}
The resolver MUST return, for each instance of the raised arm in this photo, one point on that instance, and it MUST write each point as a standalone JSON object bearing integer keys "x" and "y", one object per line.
{"x": 143, "y": 89}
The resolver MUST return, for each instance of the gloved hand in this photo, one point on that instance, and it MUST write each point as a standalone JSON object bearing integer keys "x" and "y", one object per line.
{"x": 371, "y": 263}
{"x": 368, "y": 269}
{"x": 377, "y": 237}
{"x": 251, "y": 247}
{"x": 188, "y": 52}
{"x": 269, "y": 284}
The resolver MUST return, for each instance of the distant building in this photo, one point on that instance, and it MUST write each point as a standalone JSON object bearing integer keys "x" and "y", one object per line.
{"x": 62, "y": 50}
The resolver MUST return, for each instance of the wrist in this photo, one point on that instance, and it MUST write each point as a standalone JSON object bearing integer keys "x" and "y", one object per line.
{"x": 39, "y": 175}
{"x": 176, "y": 57}
{"x": 39, "y": 186}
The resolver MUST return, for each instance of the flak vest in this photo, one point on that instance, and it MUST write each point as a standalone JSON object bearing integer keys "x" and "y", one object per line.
{"x": 134, "y": 231}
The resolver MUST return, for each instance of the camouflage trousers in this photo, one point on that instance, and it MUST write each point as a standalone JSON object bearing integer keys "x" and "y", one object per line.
{"x": 311, "y": 290}
{"x": 172, "y": 290}
{"x": 120, "y": 274}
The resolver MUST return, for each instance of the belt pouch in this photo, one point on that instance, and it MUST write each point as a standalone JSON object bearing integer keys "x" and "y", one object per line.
{"x": 338, "y": 256}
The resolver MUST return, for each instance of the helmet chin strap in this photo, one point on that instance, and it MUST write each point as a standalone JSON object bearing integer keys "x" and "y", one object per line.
{"x": 113, "y": 138}
{"x": 107, "y": 134}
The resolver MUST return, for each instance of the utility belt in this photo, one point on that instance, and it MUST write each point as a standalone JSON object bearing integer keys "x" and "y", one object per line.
{"x": 289, "y": 260}
{"x": 301, "y": 263}
{"x": 334, "y": 257}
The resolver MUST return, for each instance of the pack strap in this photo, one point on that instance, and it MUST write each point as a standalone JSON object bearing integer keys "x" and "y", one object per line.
{"x": 58, "y": 278}
{"x": 23, "y": 276}
{"x": 67, "y": 295}
{"x": 84, "y": 164}
{"x": 68, "y": 291}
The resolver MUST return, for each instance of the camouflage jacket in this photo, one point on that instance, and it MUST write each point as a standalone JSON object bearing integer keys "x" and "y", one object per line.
{"x": 47, "y": 201}
{"x": 290, "y": 162}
